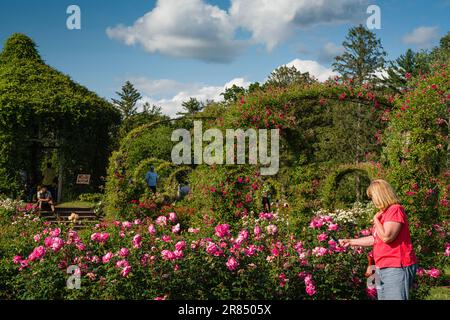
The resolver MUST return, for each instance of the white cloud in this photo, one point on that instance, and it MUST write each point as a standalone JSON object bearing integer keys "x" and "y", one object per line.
{"x": 196, "y": 29}
{"x": 183, "y": 28}
{"x": 422, "y": 37}
{"x": 172, "y": 104}
{"x": 313, "y": 67}
{"x": 272, "y": 22}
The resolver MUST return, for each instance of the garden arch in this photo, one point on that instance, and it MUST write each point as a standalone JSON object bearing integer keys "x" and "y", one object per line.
{"x": 332, "y": 182}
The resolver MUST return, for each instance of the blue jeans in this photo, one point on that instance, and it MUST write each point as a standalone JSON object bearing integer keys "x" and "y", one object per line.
{"x": 395, "y": 283}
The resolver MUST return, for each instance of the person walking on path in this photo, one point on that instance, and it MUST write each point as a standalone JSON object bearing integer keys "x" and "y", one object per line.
{"x": 152, "y": 179}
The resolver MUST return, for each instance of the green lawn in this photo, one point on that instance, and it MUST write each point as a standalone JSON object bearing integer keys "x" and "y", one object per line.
{"x": 76, "y": 204}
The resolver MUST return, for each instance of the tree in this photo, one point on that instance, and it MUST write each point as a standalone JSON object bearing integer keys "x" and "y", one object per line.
{"x": 151, "y": 110}
{"x": 285, "y": 76}
{"x": 191, "y": 107}
{"x": 233, "y": 93}
{"x": 129, "y": 96}
{"x": 363, "y": 56}
{"x": 404, "y": 67}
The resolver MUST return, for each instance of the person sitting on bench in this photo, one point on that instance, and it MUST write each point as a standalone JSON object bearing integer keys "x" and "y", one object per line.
{"x": 45, "y": 197}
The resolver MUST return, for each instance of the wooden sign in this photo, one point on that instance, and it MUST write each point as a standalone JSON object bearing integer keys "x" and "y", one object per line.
{"x": 83, "y": 178}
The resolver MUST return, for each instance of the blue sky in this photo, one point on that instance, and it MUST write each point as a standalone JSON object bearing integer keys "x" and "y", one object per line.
{"x": 183, "y": 48}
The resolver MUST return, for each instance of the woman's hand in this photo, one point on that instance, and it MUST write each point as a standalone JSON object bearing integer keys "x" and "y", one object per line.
{"x": 345, "y": 242}
{"x": 370, "y": 270}
{"x": 377, "y": 215}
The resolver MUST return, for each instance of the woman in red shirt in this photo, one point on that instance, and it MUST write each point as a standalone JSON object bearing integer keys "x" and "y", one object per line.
{"x": 395, "y": 260}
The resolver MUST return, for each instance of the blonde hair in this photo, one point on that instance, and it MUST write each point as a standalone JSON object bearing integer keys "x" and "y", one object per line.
{"x": 382, "y": 194}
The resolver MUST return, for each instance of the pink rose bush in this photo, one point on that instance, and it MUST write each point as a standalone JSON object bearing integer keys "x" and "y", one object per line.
{"x": 257, "y": 256}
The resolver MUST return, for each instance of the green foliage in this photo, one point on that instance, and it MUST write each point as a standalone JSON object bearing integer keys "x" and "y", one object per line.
{"x": 40, "y": 107}
{"x": 286, "y": 76}
{"x": 417, "y": 150}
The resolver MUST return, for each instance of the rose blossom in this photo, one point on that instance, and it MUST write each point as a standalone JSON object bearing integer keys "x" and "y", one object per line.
{"x": 38, "y": 253}
{"x": 232, "y": 264}
{"x": 332, "y": 227}
{"x": 180, "y": 245}
{"x": 151, "y": 229}
{"x": 124, "y": 252}
{"x": 172, "y": 217}
{"x": 272, "y": 229}
{"x": 222, "y": 230}
{"x": 434, "y": 273}
{"x": 137, "y": 241}
{"x": 127, "y": 225}
{"x": 176, "y": 228}
{"x": 161, "y": 221}
{"x": 107, "y": 257}
{"x": 322, "y": 237}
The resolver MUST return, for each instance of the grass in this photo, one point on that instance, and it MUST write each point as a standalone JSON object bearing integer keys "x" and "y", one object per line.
{"x": 76, "y": 204}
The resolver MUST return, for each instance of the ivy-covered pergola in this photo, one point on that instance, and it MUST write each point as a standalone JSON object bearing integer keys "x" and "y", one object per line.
{"x": 46, "y": 116}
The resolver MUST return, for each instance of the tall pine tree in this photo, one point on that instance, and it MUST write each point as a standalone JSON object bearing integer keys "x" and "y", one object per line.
{"x": 363, "y": 57}
{"x": 129, "y": 96}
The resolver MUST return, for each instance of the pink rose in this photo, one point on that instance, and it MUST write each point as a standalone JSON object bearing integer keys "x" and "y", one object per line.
{"x": 232, "y": 264}
{"x": 127, "y": 225}
{"x": 194, "y": 230}
{"x": 161, "y": 221}
{"x": 322, "y": 237}
{"x": 180, "y": 245}
{"x": 125, "y": 271}
{"x": 176, "y": 228}
{"x": 172, "y": 217}
{"x": 38, "y": 253}
{"x": 434, "y": 273}
{"x": 137, "y": 241}
{"x": 55, "y": 232}
{"x": 151, "y": 229}
{"x": 107, "y": 257}
{"x": 222, "y": 230}
{"x": 272, "y": 229}
{"x": 257, "y": 231}
{"x": 332, "y": 227}
{"x": 17, "y": 259}
{"x": 124, "y": 252}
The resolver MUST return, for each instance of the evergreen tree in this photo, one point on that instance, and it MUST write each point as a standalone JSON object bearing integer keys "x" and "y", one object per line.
{"x": 129, "y": 96}
{"x": 407, "y": 65}
{"x": 191, "y": 107}
{"x": 363, "y": 56}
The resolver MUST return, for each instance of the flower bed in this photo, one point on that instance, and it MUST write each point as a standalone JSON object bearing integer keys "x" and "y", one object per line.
{"x": 256, "y": 258}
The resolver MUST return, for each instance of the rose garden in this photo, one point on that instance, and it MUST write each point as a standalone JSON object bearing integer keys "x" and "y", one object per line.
{"x": 217, "y": 242}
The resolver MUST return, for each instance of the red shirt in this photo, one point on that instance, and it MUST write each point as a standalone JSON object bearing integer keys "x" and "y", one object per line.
{"x": 400, "y": 252}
